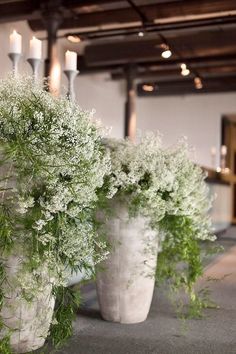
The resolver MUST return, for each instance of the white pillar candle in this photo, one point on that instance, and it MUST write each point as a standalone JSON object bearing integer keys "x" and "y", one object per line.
{"x": 35, "y": 50}
{"x": 224, "y": 150}
{"x": 70, "y": 60}
{"x": 15, "y": 43}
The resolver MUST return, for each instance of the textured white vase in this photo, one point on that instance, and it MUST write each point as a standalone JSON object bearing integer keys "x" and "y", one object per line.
{"x": 30, "y": 321}
{"x": 125, "y": 285}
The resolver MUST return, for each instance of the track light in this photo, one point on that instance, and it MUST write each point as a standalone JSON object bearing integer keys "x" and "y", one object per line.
{"x": 198, "y": 83}
{"x": 166, "y": 53}
{"x": 184, "y": 70}
{"x": 140, "y": 33}
{"x": 73, "y": 38}
{"x": 148, "y": 87}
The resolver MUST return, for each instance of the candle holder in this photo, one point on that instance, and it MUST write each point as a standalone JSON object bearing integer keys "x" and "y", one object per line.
{"x": 223, "y": 161}
{"x": 71, "y": 75}
{"x": 15, "y": 57}
{"x": 34, "y": 63}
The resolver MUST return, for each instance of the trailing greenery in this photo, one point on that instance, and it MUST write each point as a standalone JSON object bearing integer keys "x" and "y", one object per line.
{"x": 68, "y": 301}
{"x": 185, "y": 248}
{"x": 167, "y": 188}
{"x": 181, "y": 263}
{"x": 5, "y": 347}
{"x": 51, "y": 163}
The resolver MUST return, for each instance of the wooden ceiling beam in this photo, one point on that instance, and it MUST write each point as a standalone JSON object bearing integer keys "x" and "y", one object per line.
{"x": 19, "y": 10}
{"x": 185, "y": 45}
{"x": 165, "y": 28}
{"x": 186, "y": 86}
{"x": 167, "y": 74}
{"x": 83, "y": 3}
{"x": 167, "y": 12}
{"x": 159, "y": 12}
{"x": 213, "y": 60}
{"x": 23, "y": 9}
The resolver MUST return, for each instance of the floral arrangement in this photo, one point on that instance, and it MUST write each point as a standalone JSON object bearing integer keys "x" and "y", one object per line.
{"x": 169, "y": 189}
{"x": 51, "y": 162}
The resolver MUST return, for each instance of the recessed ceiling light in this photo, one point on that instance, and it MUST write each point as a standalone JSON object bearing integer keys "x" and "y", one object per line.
{"x": 148, "y": 87}
{"x": 141, "y": 34}
{"x": 198, "y": 83}
{"x": 73, "y": 38}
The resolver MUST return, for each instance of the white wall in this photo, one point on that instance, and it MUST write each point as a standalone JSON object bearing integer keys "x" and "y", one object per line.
{"x": 196, "y": 116}
{"x": 106, "y": 96}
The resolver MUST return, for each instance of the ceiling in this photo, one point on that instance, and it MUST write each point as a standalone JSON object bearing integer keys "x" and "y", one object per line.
{"x": 131, "y": 33}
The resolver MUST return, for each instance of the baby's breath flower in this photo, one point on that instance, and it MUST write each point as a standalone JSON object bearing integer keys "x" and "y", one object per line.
{"x": 157, "y": 182}
{"x": 58, "y": 160}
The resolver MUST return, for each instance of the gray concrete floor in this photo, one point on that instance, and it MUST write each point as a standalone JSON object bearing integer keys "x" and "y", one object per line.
{"x": 162, "y": 332}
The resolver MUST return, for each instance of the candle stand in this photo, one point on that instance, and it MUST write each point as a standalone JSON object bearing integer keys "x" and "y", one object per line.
{"x": 34, "y": 63}
{"x": 71, "y": 75}
{"x": 15, "y": 57}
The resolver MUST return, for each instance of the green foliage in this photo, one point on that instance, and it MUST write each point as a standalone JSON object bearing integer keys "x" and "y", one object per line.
{"x": 5, "y": 346}
{"x": 67, "y": 302}
{"x": 2, "y": 278}
{"x": 51, "y": 163}
{"x": 180, "y": 262}
{"x": 6, "y": 228}
{"x": 179, "y": 245}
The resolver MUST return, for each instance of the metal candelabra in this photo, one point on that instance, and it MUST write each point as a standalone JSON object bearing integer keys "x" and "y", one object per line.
{"x": 35, "y": 63}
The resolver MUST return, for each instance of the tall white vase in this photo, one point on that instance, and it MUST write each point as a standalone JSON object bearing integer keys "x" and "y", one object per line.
{"x": 29, "y": 320}
{"x": 125, "y": 284}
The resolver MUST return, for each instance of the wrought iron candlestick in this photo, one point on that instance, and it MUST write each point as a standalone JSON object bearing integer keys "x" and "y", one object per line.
{"x": 34, "y": 63}
{"x": 71, "y": 75}
{"x": 15, "y": 57}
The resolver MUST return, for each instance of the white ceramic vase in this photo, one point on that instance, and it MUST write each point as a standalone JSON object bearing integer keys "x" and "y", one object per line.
{"x": 29, "y": 320}
{"x": 125, "y": 284}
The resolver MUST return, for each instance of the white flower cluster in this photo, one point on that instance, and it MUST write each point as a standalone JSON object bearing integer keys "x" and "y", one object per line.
{"x": 24, "y": 204}
{"x": 59, "y": 162}
{"x": 158, "y": 182}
